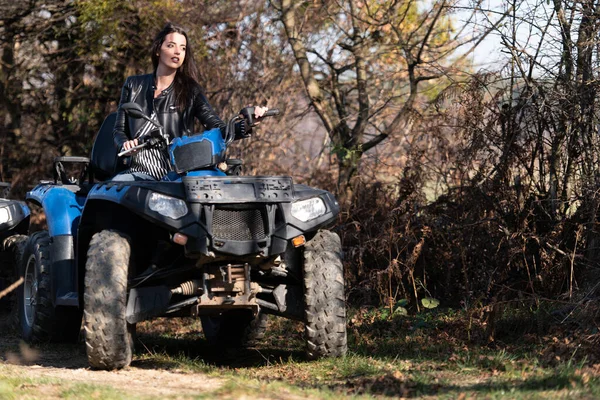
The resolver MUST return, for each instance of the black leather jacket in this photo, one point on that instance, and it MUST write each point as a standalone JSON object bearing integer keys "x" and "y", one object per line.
{"x": 140, "y": 89}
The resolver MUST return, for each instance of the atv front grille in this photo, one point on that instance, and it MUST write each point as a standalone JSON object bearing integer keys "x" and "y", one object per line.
{"x": 229, "y": 224}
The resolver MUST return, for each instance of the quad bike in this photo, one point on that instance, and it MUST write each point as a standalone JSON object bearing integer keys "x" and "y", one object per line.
{"x": 203, "y": 242}
{"x": 14, "y": 224}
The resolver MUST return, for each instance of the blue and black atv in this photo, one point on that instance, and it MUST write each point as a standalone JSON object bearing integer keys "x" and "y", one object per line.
{"x": 14, "y": 224}
{"x": 204, "y": 242}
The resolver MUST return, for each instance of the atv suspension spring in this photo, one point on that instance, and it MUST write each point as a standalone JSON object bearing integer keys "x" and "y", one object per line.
{"x": 187, "y": 288}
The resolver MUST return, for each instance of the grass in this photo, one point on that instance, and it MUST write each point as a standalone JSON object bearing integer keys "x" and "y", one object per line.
{"x": 22, "y": 388}
{"x": 435, "y": 354}
{"x": 439, "y": 354}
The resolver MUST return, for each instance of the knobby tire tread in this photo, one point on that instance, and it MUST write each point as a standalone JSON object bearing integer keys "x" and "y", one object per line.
{"x": 109, "y": 344}
{"x": 12, "y": 251}
{"x": 50, "y": 324}
{"x": 324, "y": 299}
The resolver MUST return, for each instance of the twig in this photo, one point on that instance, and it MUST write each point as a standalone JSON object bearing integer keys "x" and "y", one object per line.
{"x": 573, "y": 262}
{"x": 147, "y": 349}
{"x": 556, "y": 249}
{"x": 11, "y": 287}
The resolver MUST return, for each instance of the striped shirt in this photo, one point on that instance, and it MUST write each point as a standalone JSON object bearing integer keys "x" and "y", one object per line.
{"x": 152, "y": 161}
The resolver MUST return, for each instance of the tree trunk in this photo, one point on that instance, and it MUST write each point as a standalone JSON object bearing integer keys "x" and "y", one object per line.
{"x": 10, "y": 107}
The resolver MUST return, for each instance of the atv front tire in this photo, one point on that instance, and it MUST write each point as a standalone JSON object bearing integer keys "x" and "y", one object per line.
{"x": 39, "y": 320}
{"x": 324, "y": 301}
{"x": 108, "y": 336}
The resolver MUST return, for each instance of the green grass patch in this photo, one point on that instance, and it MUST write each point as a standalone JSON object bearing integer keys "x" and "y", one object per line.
{"x": 434, "y": 354}
{"x": 22, "y": 388}
{"x": 175, "y": 362}
{"x": 84, "y": 391}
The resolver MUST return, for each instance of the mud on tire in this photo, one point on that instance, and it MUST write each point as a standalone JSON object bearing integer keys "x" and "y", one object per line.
{"x": 108, "y": 336}
{"x": 324, "y": 301}
{"x": 39, "y": 320}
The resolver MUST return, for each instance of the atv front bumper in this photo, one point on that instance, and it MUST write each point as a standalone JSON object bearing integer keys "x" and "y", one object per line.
{"x": 235, "y": 216}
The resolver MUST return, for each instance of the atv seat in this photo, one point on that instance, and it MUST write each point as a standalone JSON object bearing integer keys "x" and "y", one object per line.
{"x": 103, "y": 163}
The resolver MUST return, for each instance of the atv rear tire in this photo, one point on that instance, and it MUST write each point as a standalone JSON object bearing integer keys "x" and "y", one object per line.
{"x": 108, "y": 336}
{"x": 11, "y": 250}
{"x": 235, "y": 328}
{"x": 324, "y": 301}
{"x": 39, "y": 320}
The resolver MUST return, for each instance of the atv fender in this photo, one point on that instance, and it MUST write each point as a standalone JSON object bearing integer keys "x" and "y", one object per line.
{"x": 62, "y": 208}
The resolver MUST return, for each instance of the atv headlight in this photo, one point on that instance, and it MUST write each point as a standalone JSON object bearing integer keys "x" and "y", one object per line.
{"x": 4, "y": 215}
{"x": 167, "y": 205}
{"x": 305, "y": 210}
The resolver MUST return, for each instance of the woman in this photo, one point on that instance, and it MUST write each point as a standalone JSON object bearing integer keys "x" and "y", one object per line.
{"x": 170, "y": 94}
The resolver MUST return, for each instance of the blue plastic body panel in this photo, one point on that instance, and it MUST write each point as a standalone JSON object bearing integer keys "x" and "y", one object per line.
{"x": 62, "y": 207}
{"x": 206, "y": 172}
{"x": 213, "y": 136}
{"x": 24, "y": 210}
{"x": 175, "y": 177}
{"x": 113, "y": 193}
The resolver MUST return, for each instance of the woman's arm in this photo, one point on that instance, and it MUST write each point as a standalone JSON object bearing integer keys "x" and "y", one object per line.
{"x": 119, "y": 135}
{"x": 210, "y": 120}
{"x": 204, "y": 112}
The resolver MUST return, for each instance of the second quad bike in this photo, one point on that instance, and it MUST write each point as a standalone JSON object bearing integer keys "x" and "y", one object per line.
{"x": 14, "y": 225}
{"x": 203, "y": 242}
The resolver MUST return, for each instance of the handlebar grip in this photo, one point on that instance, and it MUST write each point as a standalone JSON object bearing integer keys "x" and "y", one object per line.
{"x": 131, "y": 150}
{"x": 271, "y": 113}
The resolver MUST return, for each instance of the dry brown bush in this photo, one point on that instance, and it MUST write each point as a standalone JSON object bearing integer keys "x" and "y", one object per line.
{"x": 499, "y": 231}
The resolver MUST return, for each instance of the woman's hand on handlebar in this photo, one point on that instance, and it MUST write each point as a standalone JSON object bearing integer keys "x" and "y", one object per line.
{"x": 129, "y": 144}
{"x": 260, "y": 111}
{"x": 251, "y": 116}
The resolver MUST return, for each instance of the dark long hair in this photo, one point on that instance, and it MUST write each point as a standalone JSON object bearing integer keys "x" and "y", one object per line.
{"x": 187, "y": 75}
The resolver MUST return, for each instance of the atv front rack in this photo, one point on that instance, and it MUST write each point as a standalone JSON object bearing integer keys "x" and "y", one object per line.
{"x": 254, "y": 189}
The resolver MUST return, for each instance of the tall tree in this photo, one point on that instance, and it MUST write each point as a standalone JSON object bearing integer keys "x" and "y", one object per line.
{"x": 363, "y": 65}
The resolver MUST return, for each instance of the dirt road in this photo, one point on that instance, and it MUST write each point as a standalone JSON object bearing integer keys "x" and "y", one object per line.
{"x": 52, "y": 368}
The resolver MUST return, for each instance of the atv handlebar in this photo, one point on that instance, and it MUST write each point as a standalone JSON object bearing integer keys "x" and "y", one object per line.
{"x": 271, "y": 113}
{"x": 133, "y": 149}
{"x": 154, "y": 140}
{"x": 134, "y": 110}
{"x": 246, "y": 113}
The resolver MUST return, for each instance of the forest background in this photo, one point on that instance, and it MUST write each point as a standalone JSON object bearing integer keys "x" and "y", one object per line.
{"x": 460, "y": 187}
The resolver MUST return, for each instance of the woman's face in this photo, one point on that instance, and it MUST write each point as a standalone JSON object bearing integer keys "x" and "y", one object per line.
{"x": 172, "y": 51}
